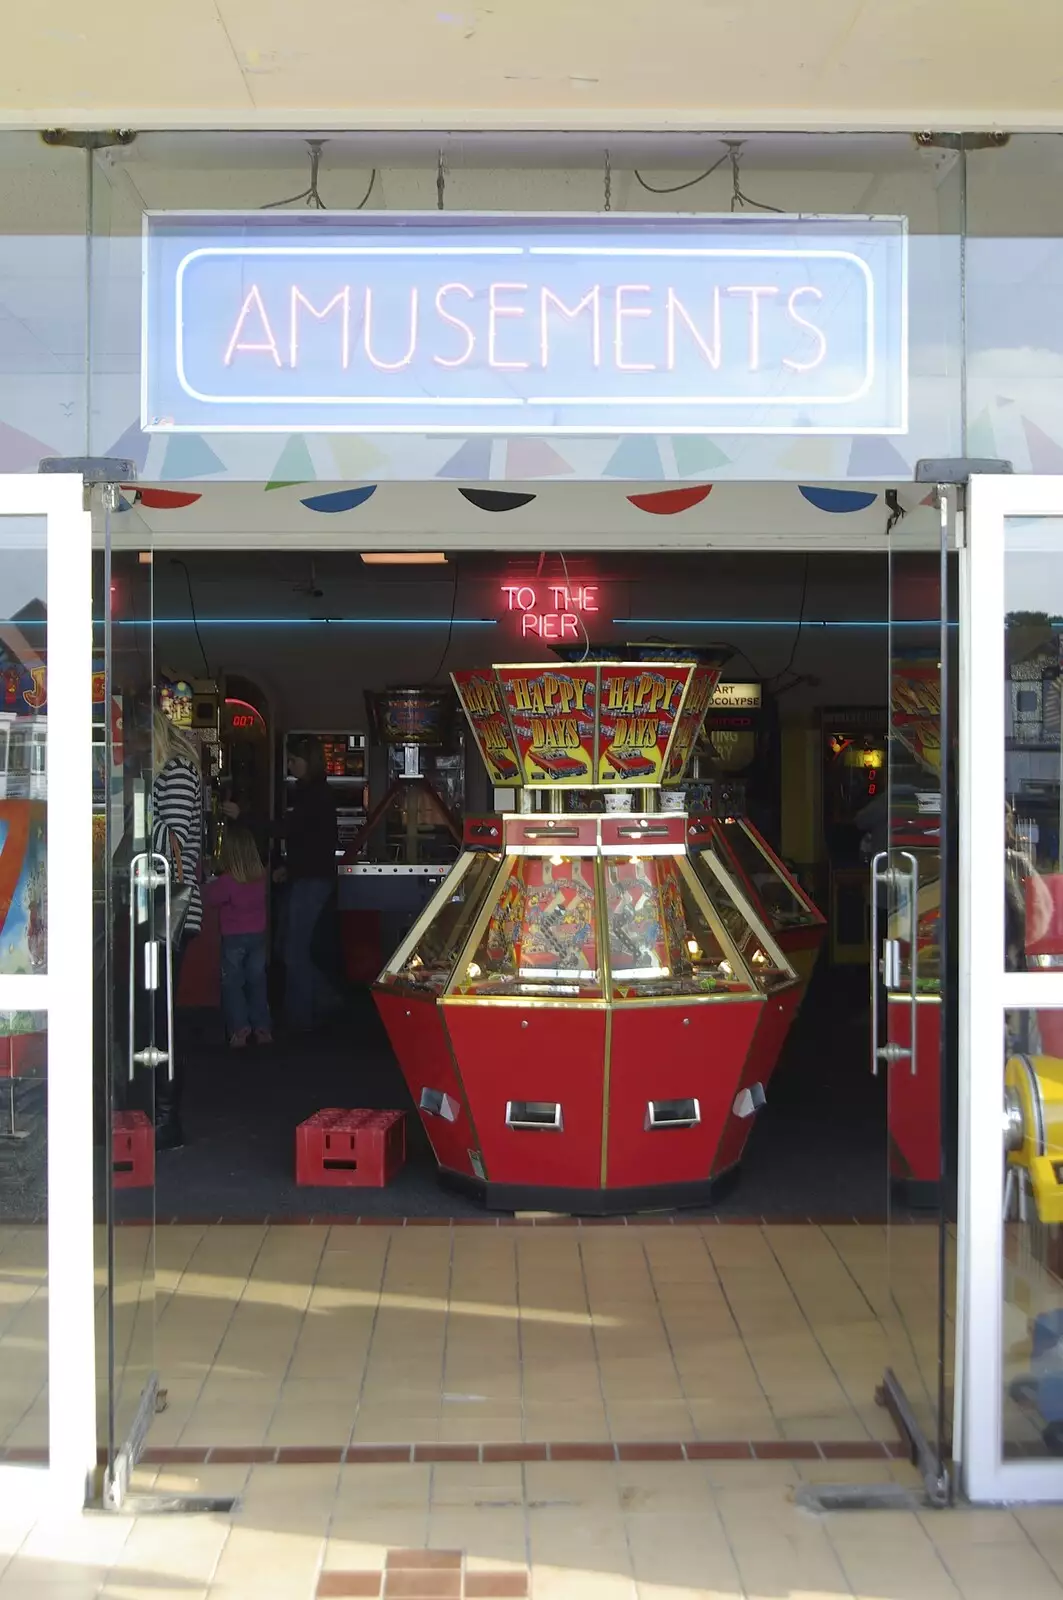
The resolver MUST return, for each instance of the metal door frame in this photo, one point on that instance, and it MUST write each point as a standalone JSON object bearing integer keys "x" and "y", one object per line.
{"x": 65, "y": 994}
{"x": 986, "y": 993}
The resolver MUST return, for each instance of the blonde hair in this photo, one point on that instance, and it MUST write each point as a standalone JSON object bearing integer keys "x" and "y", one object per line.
{"x": 239, "y": 855}
{"x": 171, "y": 743}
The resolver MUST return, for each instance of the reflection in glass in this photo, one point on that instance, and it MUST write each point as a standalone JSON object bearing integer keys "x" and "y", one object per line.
{"x": 23, "y": 1230}
{"x": 1033, "y": 629}
{"x": 1032, "y": 1313}
{"x": 436, "y": 946}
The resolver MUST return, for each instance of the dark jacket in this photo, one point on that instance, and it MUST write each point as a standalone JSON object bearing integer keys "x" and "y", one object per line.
{"x": 310, "y": 830}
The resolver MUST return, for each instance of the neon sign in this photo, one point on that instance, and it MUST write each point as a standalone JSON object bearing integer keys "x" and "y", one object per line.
{"x": 533, "y": 324}
{"x": 551, "y": 611}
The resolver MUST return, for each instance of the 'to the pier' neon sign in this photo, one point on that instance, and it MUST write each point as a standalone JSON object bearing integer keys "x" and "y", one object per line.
{"x": 436, "y": 323}
{"x": 551, "y": 611}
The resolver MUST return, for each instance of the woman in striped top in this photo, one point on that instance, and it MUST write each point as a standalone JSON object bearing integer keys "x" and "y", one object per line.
{"x": 177, "y": 834}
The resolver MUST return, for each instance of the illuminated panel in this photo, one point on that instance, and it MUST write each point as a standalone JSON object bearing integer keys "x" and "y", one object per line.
{"x": 552, "y": 714}
{"x": 329, "y": 321}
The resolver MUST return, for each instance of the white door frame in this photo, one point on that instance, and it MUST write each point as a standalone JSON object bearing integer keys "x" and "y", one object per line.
{"x": 65, "y": 994}
{"x": 987, "y": 992}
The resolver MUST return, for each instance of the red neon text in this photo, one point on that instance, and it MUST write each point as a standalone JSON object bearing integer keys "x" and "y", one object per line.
{"x": 551, "y": 610}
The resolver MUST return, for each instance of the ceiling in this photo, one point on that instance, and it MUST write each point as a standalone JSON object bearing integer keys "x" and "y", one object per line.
{"x": 562, "y": 64}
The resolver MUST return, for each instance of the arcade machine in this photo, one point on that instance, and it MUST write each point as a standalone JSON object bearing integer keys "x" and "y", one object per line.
{"x": 791, "y": 916}
{"x": 854, "y": 749}
{"x": 583, "y": 1025}
{"x": 405, "y": 846}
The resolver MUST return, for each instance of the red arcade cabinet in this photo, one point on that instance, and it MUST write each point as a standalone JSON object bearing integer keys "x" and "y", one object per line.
{"x": 585, "y": 1020}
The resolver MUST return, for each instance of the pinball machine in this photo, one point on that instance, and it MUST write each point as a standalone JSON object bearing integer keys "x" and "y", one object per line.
{"x": 585, "y": 1018}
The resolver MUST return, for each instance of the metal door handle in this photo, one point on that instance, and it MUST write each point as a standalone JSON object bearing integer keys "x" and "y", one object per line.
{"x": 913, "y": 957}
{"x": 877, "y": 876}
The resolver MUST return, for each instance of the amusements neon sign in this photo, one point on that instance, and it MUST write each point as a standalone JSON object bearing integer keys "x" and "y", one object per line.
{"x": 525, "y": 324}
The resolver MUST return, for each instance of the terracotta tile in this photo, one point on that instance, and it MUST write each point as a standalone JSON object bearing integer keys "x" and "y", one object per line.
{"x": 174, "y": 1455}
{"x": 225, "y": 1454}
{"x": 856, "y": 1450}
{"x": 424, "y": 1561}
{"x": 650, "y": 1452}
{"x": 298, "y": 1455}
{"x": 582, "y": 1452}
{"x": 514, "y": 1452}
{"x": 718, "y": 1450}
{"x": 496, "y": 1585}
{"x": 785, "y": 1450}
{"x": 446, "y": 1452}
{"x": 422, "y": 1586}
{"x": 375, "y": 1454}
{"x": 349, "y": 1583}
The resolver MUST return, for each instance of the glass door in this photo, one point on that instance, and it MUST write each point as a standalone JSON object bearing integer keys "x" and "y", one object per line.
{"x": 1011, "y": 1044}
{"x": 911, "y": 878}
{"x": 134, "y": 1052}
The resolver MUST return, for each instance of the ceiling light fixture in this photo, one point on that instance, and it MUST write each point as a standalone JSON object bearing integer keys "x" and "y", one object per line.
{"x": 404, "y": 558}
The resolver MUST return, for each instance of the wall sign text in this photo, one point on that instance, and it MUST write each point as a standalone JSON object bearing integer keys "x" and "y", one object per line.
{"x": 391, "y": 322}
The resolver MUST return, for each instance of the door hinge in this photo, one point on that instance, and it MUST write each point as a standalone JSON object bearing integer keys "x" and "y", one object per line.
{"x": 960, "y": 469}
{"x": 892, "y": 1052}
{"x": 96, "y": 139}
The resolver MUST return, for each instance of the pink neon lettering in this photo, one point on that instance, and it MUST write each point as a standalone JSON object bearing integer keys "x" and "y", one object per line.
{"x": 494, "y": 313}
{"x": 529, "y": 624}
{"x": 390, "y": 366}
{"x": 253, "y": 302}
{"x": 470, "y": 337}
{"x": 674, "y": 309}
{"x": 754, "y": 291}
{"x": 569, "y": 625}
{"x": 622, "y": 312}
{"x": 592, "y": 298}
{"x": 803, "y": 322}
{"x": 590, "y": 598}
{"x": 342, "y": 298}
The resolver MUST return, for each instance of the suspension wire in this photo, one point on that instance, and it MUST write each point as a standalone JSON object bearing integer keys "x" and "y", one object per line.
{"x": 608, "y": 181}
{"x": 739, "y": 199}
{"x": 676, "y": 188}
{"x": 311, "y": 196}
{"x": 441, "y": 181}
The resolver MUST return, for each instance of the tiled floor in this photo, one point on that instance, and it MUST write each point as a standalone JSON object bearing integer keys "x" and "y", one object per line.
{"x": 720, "y": 1530}
{"x": 337, "y": 1335}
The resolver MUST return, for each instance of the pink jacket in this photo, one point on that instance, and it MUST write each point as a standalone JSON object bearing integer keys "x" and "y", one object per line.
{"x": 241, "y": 907}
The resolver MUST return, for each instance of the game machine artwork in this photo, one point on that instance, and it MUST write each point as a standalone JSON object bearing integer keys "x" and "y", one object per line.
{"x": 914, "y": 1115}
{"x": 23, "y": 880}
{"x": 583, "y": 1024}
{"x": 412, "y": 835}
{"x": 855, "y": 748}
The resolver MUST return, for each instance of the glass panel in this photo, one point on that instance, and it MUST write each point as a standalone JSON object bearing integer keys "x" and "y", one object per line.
{"x": 763, "y": 878}
{"x": 1032, "y": 1325}
{"x": 542, "y": 934}
{"x": 663, "y": 939}
{"x": 911, "y": 1026}
{"x": 430, "y": 963}
{"x": 829, "y": 175}
{"x": 1033, "y": 630}
{"x": 132, "y": 1020}
{"x": 23, "y": 952}
{"x": 768, "y": 971}
{"x": 23, "y": 1225}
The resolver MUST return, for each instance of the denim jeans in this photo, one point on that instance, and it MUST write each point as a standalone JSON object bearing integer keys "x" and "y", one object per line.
{"x": 309, "y": 995}
{"x": 243, "y": 981}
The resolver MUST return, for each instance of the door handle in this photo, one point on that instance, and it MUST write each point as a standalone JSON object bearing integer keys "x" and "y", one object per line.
{"x": 150, "y": 872}
{"x": 913, "y": 957}
{"x": 879, "y": 875}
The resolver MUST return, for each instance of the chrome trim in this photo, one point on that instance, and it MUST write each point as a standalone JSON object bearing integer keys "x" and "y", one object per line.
{"x": 535, "y": 1116}
{"x": 678, "y": 1113}
{"x": 749, "y": 1101}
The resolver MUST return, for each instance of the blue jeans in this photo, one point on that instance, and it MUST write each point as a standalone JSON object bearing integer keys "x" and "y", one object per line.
{"x": 243, "y": 981}
{"x": 309, "y": 995}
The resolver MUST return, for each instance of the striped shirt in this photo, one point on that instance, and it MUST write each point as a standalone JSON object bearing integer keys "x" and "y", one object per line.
{"x": 177, "y": 813}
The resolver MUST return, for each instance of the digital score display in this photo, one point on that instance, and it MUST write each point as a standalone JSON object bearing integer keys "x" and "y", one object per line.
{"x": 415, "y": 322}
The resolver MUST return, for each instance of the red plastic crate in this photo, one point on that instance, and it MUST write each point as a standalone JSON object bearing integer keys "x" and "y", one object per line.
{"x": 350, "y": 1149}
{"x": 133, "y": 1151}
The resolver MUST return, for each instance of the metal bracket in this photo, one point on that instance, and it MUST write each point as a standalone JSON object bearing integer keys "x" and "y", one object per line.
{"x": 893, "y": 1052}
{"x": 960, "y": 469}
{"x": 92, "y": 470}
{"x": 961, "y": 141}
{"x": 152, "y": 1056}
{"x": 98, "y": 139}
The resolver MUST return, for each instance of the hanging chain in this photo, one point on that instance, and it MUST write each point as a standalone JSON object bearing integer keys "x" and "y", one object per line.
{"x": 608, "y": 182}
{"x": 441, "y": 181}
{"x": 735, "y": 151}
